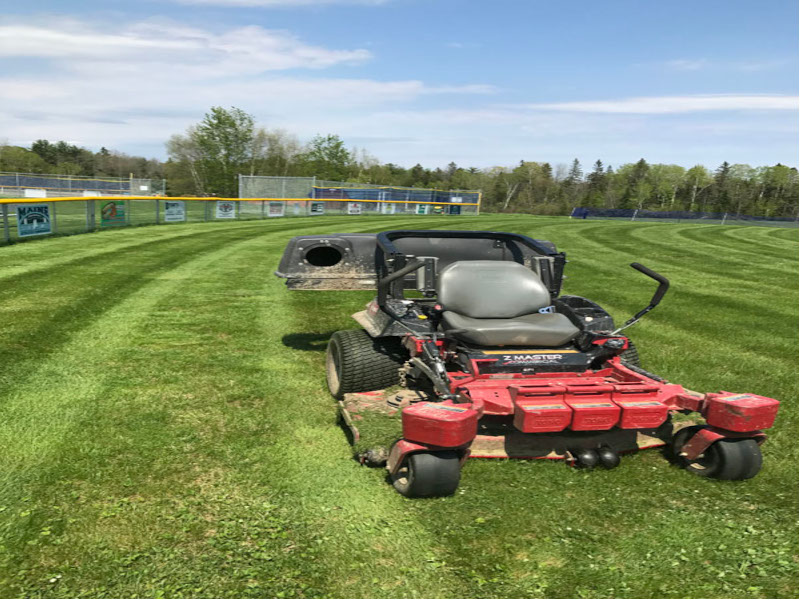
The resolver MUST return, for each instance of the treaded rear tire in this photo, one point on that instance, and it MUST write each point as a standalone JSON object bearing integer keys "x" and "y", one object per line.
{"x": 356, "y": 362}
{"x": 631, "y": 355}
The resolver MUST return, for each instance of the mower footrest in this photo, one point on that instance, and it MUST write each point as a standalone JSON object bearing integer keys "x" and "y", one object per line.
{"x": 540, "y": 407}
{"x": 541, "y": 416}
{"x": 592, "y": 408}
{"x": 640, "y": 406}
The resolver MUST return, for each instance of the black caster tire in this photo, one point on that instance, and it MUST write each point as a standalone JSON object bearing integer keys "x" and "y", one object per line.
{"x": 428, "y": 474}
{"x": 732, "y": 459}
{"x": 356, "y": 362}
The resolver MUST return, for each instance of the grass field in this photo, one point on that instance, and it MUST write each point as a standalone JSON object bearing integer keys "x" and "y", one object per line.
{"x": 165, "y": 429}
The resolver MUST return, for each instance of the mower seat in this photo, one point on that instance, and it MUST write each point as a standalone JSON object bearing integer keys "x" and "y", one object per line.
{"x": 496, "y": 303}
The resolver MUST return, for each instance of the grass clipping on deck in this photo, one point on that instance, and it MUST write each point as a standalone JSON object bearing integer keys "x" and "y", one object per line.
{"x": 377, "y": 417}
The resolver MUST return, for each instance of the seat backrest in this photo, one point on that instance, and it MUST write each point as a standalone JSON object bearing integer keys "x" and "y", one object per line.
{"x": 491, "y": 289}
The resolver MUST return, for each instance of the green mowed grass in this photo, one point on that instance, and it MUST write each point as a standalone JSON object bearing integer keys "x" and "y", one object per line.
{"x": 165, "y": 428}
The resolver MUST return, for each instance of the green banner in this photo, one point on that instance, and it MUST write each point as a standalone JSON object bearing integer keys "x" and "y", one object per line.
{"x": 113, "y": 213}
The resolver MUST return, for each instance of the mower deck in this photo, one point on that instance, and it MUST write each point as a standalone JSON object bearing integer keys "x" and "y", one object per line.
{"x": 374, "y": 422}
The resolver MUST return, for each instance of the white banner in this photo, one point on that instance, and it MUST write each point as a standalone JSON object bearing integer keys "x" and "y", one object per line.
{"x": 387, "y": 208}
{"x": 354, "y": 208}
{"x": 422, "y": 209}
{"x": 317, "y": 208}
{"x": 276, "y": 209}
{"x": 174, "y": 211}
{"x": 35, "y": 193}
{"x": 226, "y": 209}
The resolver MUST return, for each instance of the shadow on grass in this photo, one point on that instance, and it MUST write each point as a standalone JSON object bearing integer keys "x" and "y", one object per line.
{"x": 308, "y": 342}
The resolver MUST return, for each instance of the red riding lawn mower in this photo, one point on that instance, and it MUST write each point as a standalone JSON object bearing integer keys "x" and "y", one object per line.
{"x": 485, "y": 359}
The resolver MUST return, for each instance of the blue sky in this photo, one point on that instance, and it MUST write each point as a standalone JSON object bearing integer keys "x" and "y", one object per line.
{"x": 481, "y": 83}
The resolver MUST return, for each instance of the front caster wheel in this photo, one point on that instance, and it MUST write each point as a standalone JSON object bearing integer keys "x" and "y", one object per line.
{"x": 427, "y": 474}
{"x": 729, "y": 458}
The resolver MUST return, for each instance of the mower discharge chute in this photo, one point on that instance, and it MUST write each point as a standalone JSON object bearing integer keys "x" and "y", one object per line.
{"x": 488, "y": 360}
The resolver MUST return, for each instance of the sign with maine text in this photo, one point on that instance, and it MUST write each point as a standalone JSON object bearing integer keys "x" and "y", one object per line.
{"x": 33, "y": 219}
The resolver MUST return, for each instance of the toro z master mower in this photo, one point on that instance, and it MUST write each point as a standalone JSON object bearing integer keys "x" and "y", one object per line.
{"x": 487, "y": 360}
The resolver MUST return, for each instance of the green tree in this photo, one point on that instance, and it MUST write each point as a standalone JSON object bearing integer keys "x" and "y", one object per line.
{"x": 18, "y": 159}
{"x": 328, "y": 158}
{"x": 597, "y": 185}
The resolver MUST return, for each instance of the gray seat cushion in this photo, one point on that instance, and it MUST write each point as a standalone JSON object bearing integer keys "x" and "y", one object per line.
{"x": 491, "y": 289}
{"x": 545, "y": 330}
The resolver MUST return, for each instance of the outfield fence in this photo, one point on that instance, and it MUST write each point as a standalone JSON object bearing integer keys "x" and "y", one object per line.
{"x": 21, "y": 218}
{"x": 680, "y": 216}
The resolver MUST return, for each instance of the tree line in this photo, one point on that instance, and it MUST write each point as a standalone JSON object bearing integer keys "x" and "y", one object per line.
{"x": 207, "y": 158}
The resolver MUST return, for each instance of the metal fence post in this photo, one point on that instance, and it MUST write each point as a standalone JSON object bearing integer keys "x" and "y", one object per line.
{"x": 206, "y": 207}
{"x": 6, "y": 232}
{"x": 53, "y": 218}
{"x": 90, "y": 215}
{"x": 262, "y": 209}
{"x": 158, "y": 211}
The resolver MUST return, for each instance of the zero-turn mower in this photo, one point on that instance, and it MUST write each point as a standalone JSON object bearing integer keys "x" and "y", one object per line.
{"x": 485, "y": 359}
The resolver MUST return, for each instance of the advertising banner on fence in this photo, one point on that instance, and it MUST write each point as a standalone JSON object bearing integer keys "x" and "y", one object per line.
{"x": 354, "y": 208}
{"x": 276, "y": 209}
{"x": 112, "y": 213}
{"x": 317, "y": 208}
{"x": 387, "y": 208}
{"x": 174, "y": 211}
{"x": 33, "y": 219}
{"x": 422, "y": 209}
{"x": 226, "y": 209}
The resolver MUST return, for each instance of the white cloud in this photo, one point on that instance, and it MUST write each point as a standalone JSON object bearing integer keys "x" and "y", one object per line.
{"x": 703, "y": 64}
{"x": 674, "y": 104}
{"x": 135, "y": 86}
{"x": 168, "y": 45}
{"x": 688, "y": 64}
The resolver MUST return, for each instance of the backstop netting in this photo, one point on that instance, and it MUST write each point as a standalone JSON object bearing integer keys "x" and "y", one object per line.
{"x": 335, "y": 197}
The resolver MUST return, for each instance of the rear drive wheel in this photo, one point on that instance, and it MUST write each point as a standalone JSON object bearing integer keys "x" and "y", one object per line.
{"x": 427, "y": 474}
{"x": 729, "y": 458}
{"x": 631, "y": 355}
{"x": 356, "y": 362}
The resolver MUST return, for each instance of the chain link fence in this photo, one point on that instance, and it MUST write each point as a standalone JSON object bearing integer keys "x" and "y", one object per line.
{"x": 680, "y": 216}
{"x": 36, "y": 185}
